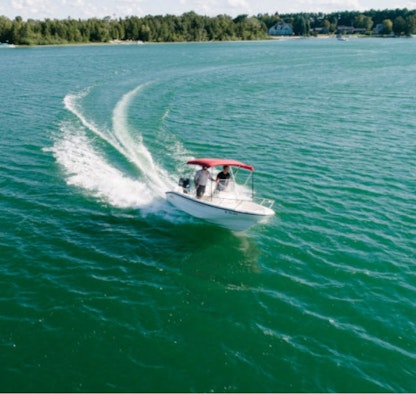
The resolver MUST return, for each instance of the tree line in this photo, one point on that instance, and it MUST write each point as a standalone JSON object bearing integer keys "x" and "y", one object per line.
{"x": 193, "y": 27}
{"x": 398, "y": 22}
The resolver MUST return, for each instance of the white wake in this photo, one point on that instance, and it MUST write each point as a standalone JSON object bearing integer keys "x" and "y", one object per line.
{"x": 79, "y": 150}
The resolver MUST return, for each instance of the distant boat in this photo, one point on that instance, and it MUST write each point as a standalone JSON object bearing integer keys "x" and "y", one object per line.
{"x": 341, "y": 38}
{"x": 232, "y": 207}
{"x": 7, "y": 45}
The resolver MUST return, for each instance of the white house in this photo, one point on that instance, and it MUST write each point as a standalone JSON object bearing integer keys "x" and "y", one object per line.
{"x": 281, "y": 29}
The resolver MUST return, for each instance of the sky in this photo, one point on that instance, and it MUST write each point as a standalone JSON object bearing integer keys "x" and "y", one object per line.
{"x": 84, "y": 9}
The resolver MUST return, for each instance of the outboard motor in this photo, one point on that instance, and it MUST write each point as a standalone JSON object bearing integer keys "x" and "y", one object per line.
{"x": 185, "y": 183}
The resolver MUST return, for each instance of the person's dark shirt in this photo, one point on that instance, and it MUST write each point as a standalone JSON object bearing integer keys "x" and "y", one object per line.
{"x": 223, "y": 175}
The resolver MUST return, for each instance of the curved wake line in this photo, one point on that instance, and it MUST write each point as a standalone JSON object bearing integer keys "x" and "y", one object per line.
{"x": 71, "y": 104}
{"x": 136, "y": 151}
{"x": 87, "y": 167}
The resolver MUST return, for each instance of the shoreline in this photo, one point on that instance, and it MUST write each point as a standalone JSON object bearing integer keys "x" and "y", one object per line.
{"x": 139, "y": 42}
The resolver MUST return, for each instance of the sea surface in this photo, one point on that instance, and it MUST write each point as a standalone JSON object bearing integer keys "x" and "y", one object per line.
{"x": 106, "y": 287}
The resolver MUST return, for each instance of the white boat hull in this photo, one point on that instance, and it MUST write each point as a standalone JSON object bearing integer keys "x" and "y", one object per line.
{"x": 234, "y": 214}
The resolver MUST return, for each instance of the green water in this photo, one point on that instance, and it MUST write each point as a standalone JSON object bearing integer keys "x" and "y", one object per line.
{"x": 106, "y": 287}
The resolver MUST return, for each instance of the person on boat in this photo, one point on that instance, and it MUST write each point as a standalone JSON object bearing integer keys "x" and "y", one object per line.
{"x": 223, "y": 178}
{"x": 201, "y": 179}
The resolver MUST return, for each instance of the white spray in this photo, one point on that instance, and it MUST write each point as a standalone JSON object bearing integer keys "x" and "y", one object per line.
{"x": 86, "y": 167}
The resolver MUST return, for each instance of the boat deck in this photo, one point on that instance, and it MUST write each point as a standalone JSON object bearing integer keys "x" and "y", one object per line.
{"x": 242, "y": 205}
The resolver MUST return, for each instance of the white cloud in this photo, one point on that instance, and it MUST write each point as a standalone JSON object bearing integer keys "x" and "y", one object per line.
{"x": 41, "y": 9}
{"x": 326, "y": 5}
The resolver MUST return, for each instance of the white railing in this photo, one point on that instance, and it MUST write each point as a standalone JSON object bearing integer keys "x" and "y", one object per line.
{"x": 265, "y": 202}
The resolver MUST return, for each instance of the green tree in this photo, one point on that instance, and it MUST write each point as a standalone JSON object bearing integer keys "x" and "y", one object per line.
{"x": 132, "y": 28}
{"x": 193, "y": 27}
{"x": 399, "y": 26}
{"x": 387, "y": 26}
{"x": 363, "y": 22}
{"x": 301, "y": 26}
{"x": 145, "y": 33}
{"x": 269, "y": 20}
{"x": 5, "y": 29}
{"x": 347, "y": 18}
{"x": 16, "y": 30}
{"x": 410, "y": 24}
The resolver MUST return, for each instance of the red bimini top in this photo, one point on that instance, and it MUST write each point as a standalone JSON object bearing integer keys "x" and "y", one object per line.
{"x": 220, "y": 162}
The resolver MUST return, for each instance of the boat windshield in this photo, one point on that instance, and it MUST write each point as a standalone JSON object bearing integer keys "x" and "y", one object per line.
{"x": 238, "y": 186}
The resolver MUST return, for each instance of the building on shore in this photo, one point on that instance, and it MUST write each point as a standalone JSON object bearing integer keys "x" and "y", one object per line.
{"x": 281, "y": 29}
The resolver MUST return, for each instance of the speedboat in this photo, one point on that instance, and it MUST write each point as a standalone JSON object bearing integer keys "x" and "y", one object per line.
{"x": 341, "y": 38}
{"x": 7, "y": 45}
{"x": 233, "y": 207}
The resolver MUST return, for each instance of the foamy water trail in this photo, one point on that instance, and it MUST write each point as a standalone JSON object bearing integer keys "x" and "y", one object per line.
{"x": 88, "y": 168}
{"x": 73, "y": 104}
{"x": 134, "y": 148}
